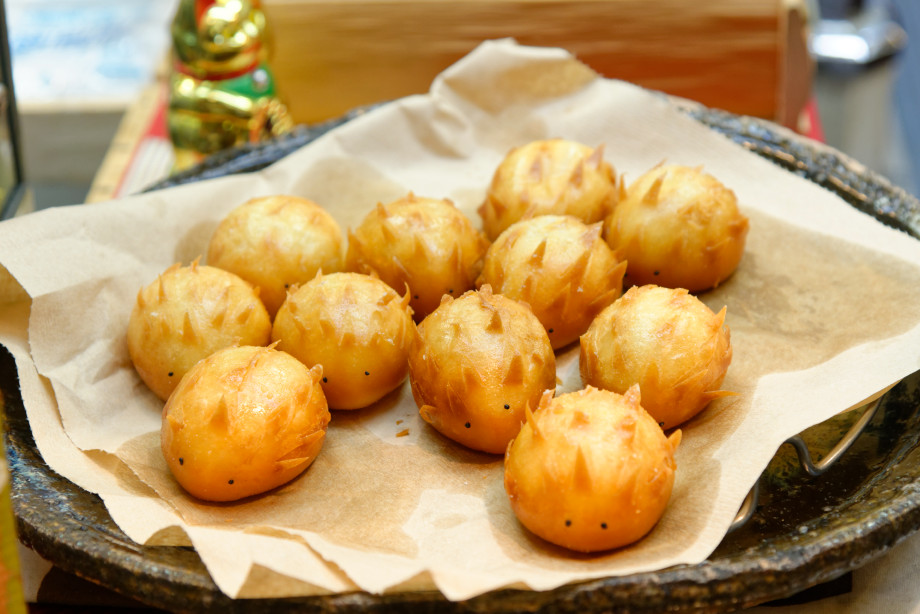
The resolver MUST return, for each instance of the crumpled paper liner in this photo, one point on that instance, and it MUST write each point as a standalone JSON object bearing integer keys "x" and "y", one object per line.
{"x": 823, "y": 313}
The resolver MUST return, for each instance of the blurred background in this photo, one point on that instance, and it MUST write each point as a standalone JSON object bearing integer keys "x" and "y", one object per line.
{"x": 80, "y": 66}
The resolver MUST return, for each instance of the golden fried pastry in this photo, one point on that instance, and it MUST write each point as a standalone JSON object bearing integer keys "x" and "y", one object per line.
{"x": 559, "y": 266}
{"x": 550, "y": 176}
{"x": 356, "y": 327}
{"x": 590, "y": 470}
{"x": 243, "y": 421}
{"x": 678, "y": 227}
{"x": 187, "y": 314}
{"x": 425, "y": 243}
{"x": 275, "y": 242}
{"x": 667, "y": 341}
{"x": 477, "y": 361}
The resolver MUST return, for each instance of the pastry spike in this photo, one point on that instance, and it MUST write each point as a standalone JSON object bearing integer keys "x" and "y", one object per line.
{"x": 711, "y": 395}
{"x": 720, "y": 318}
{"x": 579, "y": 419}
{"x": 525, "y": 293}
{"x": 220, "y": 419}
{"x": 536, "y": 169}
{"x": 651, "y": 195}
{"x": 545, "y": 399}
{"x": 141, "y": 303}
{"x": 174, "y": 425}
{"x": 188, "y": 329}
{"x": 471, "y": 379}
{"x": 245, "y": 314}
{"x": 578, "y": 174}
{"x": 515, "y": 373}
{"x": 386, "y": 229}
{"x": 531, "y": 421}
{"x": 194, "y": 264}
{"x": 348, "y": 295}
{"x": 454, "y": 261}
{"x": 419, "y": 249}
{"x": 348, "y": 339}
{"x": 597, "y": 156}
{"x": 425, "y": 412}
{"x": 404, "y": 300}
{"x": 621, "y": 189}
{"x": 592, "y": 235}
{"x": 634, "y": 395}
{"x": 674, "y": 440}
{"x": 316, "y": 372}
{"x": 581, "y": 479}
{"x": 495, "y": 323}
{"x": 325, "y": 325}
{"x": 218, "y": 319}
{"x": 161, "y": 290}
{"x": 536, "y": 258}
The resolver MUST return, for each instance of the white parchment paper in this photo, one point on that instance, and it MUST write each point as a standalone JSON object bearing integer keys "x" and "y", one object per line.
{"x": 824, "y": 311}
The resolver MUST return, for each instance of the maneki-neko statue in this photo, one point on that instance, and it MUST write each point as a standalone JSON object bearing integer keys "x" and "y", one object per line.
{"x": 222, "y": 92}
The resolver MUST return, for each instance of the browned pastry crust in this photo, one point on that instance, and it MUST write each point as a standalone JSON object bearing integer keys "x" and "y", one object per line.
{"x": 242, "y": 422}
{"x": 590, "y": 470}
{"x": 477, "y": 361}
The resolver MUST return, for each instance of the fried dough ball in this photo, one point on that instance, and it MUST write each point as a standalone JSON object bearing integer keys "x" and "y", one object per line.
{"x": 559, "y": 266}
{"x": 426, "y": 243}
{"x": 356, "y": 327}
{"x": 678, "y": 227}
{"x": 187, "y": 314}
{"x": 243, "y": 421}
{"x": 275, "y": 242}
{"x": 590, "y": 470}
{"x": 553, "y": 176}
{"x": 476, "y": 362}
{"x": 667, "y": 341}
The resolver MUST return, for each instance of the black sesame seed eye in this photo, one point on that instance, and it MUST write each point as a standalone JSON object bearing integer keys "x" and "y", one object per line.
{"x": 507, "y": 406}
{"x": 656, "y": 272}
{"x": 603, "y": 525}
{"x": 451, "y": 291}
{"x": 367, "y": 373}
{"x": 181, "y": 461}
{"x": 325, "y": 380}
{"x": 287, "y": 286}
{"x": 415, "y": 296}
{"x": 568, "y": 523}
{"x": 229, "y": 481}
{"x": 550, "y": 330}
{"x": 170, "y": 374}
{"x": 467, "y": 425}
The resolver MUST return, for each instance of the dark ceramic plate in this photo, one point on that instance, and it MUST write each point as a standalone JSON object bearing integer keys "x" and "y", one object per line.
{"x": 805, "y": 531}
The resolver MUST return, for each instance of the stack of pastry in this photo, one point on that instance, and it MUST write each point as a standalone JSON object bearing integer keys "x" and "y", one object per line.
{"x": 291, "y": 318}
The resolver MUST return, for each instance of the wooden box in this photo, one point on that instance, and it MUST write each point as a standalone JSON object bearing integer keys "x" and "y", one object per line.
{"x": 744, "y": 56}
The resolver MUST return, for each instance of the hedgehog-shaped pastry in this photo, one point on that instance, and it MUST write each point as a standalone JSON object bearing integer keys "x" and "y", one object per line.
{"x": 425, "y": 243}
{"x": 678, "y": 227}
{"x": 476, "y": 362}
{"x": 667, "y": 341}
{"x": 243, "y": 421}
{"x": 275, "y": 242}
{"x": 357, "y": 327}
{"x": 559, "y": 266}
{"x": 590, "y": 470}
{"x": 186, "y": 314}
{"x": 553, "y": 176}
